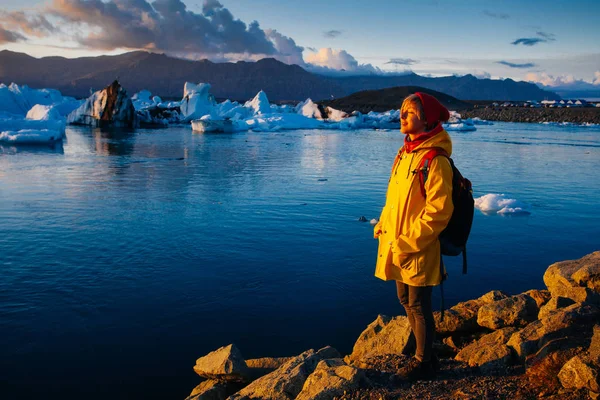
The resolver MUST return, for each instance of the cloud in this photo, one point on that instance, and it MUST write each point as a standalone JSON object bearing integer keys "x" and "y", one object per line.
{"x": 402, "y": 61}
{"x": 544, "y": 37}
{"x": 513, "y": 65}
{"x": 547, "y": 36}
{"x": 28, "y": 24}
{"x": 313, "y": 49}
{"x": 564, "y": 81}
{"x": 287, "y": 49}
{"x": 7, "y": 36}
{"x": 163, "y": 25}
{"x": 482, "y": 75}
{"x": 528, "y": 41}
{"x": 328, "y": 60}
{"x": 496, "y": 15}
{"x": 332, "y": 34}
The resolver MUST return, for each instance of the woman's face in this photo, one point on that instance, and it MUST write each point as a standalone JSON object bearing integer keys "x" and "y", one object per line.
{"x": 410, "y": 124}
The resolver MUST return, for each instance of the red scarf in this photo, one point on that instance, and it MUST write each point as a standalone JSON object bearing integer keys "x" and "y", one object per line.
{"x": 410, "y": 145}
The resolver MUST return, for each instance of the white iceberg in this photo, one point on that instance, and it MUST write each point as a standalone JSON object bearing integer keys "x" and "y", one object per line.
{"x": 31, "y": 136}
{"x": 197, "y": 101}
{"x": 499, "y": 204}
{"x": 43, "y": 113}
{"x": 260, "y": 104}
{"x": 309, "y": 109}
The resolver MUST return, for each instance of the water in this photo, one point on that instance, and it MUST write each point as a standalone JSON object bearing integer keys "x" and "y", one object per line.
{"x": 125, "y": 256}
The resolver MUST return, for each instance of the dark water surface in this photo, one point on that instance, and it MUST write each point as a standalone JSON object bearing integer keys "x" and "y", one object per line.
{"x": 125, "y": 256}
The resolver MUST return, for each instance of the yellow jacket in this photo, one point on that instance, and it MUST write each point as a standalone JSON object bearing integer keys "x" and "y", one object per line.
{"x": 409, "y": 249}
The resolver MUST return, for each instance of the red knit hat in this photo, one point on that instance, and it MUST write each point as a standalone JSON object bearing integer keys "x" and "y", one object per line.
{"x": 434, "y": 110}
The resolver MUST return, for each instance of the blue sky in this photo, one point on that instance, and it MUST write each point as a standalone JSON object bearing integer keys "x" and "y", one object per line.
{"x": 552, "y": 42}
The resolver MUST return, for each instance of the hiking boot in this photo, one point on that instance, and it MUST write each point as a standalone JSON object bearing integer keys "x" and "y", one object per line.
{"x": 417, "y": 370}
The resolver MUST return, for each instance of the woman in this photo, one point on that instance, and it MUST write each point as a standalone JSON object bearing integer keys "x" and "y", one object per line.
{"x": 411, "y": 221}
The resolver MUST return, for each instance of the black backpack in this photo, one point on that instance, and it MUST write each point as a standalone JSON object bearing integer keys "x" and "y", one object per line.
{"x": 453, "y": 239}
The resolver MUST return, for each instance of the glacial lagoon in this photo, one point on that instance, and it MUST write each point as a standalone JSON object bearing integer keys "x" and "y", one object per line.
{"x": 127, "y": 255}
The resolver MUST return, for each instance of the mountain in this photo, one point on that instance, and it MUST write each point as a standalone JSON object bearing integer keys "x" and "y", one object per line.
{"x": 165, "y": 76}
{"x": 389, "y": 99}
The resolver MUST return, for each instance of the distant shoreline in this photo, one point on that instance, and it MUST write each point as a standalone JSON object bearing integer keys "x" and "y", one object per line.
{"x": 587, "y": 115}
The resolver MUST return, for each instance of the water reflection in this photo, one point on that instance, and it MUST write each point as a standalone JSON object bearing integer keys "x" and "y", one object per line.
{"x": 32, "y": 148}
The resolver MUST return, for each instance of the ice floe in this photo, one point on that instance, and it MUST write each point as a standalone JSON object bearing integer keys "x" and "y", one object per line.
{"x": 493, "y": 203}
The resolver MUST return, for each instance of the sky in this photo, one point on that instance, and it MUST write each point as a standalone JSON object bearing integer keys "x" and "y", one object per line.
{"x": 554, "y": 42}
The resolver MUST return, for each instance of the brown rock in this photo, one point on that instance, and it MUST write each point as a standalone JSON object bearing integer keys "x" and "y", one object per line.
{"x": 576, "y": 279}
{"x": 331, "y": 378}
{"x": 543, "y": 368}
{"x": 287, "y": 381}
{"x": 554, "y": 304}
{"x": 225, "y": 363}
{"x": 516, "y": 310}
{"x": 577, "y": 374}
{"x": 213, "y": 390}
{"x": 541, "y": 297}
{"x": 262, "y": 366}
{"x": 575, "y": 319}
{"x": 490, "y": 352}
{"x": 462, "y": 318}
{"x": 383, "y": 336}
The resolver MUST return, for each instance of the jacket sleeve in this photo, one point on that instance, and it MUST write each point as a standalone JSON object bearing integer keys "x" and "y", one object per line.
{"x": 436, "y": 214}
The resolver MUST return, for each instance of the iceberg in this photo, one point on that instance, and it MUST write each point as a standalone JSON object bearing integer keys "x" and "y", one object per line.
{"x": 31, "y": 136}
{"x": 260, "y": 104}
{"x": 197, "y": 101}
{"x": 107, "y": 107}
{"x": 499, "y": 204}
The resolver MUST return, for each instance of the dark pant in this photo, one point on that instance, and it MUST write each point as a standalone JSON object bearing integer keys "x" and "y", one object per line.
{"x": 417, "y": 303}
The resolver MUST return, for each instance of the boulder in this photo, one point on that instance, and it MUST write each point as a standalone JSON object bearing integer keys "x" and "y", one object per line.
{"x": 490, "y": 352}
{"x": 573, "y": 320}
{"x": 554, "y": 304}
{"x": 211, "y": 390}
{"x": 225, "y": 363}
{"x": 516, "y": 310}
{"x": 287, "y": 381}
{"x": 331, "y": 378}
{"x": 383, "y": 336}
{"x": 543, "y": 367}
{"x": 262, "y": 366}
{"x": 107, "y": 107}
{"x": 462, "y": 318}
{"x": 576, "y": 279}
{"x": 578, "y": 374}
{"x": 541, "y": 297}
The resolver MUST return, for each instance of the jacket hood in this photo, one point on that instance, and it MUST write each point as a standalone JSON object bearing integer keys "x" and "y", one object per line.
{"x": 435, "y": 112}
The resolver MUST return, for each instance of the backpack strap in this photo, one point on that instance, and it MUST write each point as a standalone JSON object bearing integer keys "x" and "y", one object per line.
{"x": 423, "y": 169}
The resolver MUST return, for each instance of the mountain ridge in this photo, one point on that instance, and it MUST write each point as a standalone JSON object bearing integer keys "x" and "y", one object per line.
{"x": 164, "y": 76}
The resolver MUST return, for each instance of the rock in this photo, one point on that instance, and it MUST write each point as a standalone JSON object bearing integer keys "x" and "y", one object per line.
{"x": 287, "y": 381}
{"x": 554, "y": 304}
{"x": 516, "y": 310}
{"x": 107, "y": 107}
{"x": 576, "y": 279}
{"x": 594, "y": 350}
{"x": 331, "y": 378}
{"x": 490, "y": 352}
{"x": 225, "y": 363}
{"x": 211, "y": 390}
{"x": 543, "y": 368}
{"x": 577, "y": 374}
{"x": 383, "y": 336}
{"x": 462, "y": 318}
{"x": 262, "y": 366}
{"x": 574, "y": 320}
{"x": 541, "y": 297}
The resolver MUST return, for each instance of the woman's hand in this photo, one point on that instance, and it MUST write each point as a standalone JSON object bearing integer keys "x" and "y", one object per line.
{"x": 377, "y": 230}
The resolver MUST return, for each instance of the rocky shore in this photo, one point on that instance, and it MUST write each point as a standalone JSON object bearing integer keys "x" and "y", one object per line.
{"x": 536, "y": 344}
{"x": 587, "y": 115}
